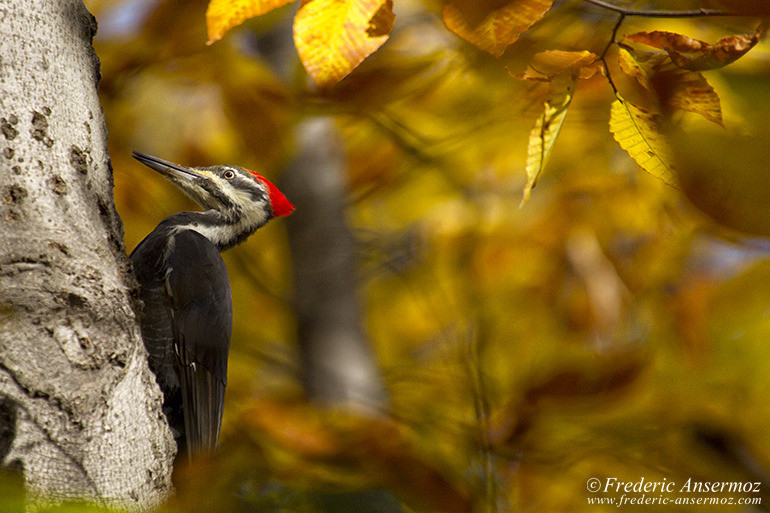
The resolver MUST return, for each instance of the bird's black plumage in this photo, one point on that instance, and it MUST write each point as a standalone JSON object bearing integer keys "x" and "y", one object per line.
{"x": 187, "y": 326}
{"x": 187, "y": 315}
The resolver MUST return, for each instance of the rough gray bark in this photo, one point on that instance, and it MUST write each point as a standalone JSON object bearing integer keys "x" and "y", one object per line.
{"x": 79, "y": 410}
{"x": 337, "y": 362}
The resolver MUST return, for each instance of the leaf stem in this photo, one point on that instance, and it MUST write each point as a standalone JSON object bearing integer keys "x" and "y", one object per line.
{"x": 661, "y": 14}
{"x": 603, "y": 56}
{"x": 609, "y": 78}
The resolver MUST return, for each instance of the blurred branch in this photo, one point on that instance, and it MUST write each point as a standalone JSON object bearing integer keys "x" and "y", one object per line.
{"x": 482, "y": 410}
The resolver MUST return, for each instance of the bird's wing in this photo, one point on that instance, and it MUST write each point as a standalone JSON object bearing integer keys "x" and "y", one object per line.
{"x": 199, "y": 288}
{"x": 156, "y": 319}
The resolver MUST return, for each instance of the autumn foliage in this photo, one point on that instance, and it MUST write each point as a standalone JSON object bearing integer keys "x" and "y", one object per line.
{"x": 334, "y": 36}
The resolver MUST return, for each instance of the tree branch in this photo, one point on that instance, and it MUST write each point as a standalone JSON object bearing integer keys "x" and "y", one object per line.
{"x": 661, "y": 14}
{"x": 613, "y": 36}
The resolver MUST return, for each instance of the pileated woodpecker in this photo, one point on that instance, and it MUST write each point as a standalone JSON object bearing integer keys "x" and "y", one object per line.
{"x": 188, "y": 315}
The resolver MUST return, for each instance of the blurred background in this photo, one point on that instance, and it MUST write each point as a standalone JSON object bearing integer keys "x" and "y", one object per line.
{"x": 412, "y": 340}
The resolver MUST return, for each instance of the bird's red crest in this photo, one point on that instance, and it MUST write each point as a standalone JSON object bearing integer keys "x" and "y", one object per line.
{"x": 278, "y": 202}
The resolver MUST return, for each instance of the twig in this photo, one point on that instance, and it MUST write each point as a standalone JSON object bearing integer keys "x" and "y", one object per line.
{"x": 612, "y": 37}
{"x": 661, "y": 14}
{"x": 603, "y": 56}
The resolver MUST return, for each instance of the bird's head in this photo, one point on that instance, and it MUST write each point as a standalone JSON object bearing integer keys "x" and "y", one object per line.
{"x": 234, "y": 191}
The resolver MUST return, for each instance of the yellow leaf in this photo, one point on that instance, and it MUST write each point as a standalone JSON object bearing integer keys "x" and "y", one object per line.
{"x": 497, "y": 27}
{"x": 639, "y": 65}
{"x": 222, "y": 15}
{"x": 675, "y": 87}
{"x": 335, "y": 36}
{"x": 547, "y": 129}
{"x": 637, "y": 131}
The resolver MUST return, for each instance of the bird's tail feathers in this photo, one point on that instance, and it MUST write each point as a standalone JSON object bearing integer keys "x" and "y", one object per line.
{"x": 203, "y": 396}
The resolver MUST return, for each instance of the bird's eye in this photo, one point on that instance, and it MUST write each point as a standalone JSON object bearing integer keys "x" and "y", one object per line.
{"x": 229, "y": 175}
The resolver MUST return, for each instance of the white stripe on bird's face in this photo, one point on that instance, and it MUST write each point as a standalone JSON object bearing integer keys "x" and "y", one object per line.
{"x": 194, "y": 188}
{"x": 237, "y": 205}
{"x": 224, "y": 235}
{"x": 211, "y": 191}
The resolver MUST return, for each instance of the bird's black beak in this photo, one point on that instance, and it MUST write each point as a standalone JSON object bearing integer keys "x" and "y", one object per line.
{"x": 164, "y": 167}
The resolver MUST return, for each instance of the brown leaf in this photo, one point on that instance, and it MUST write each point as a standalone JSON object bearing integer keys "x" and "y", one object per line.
{"x": 382, "y": 22}
{"x": 675, "y": 87}
{"x": 492, "y": 26}
{"x": 544, "y": 66}
{"x": 574, "y": 383}
{"x": 693, "y": 54}
{"x": 691, "y": 309}
{"x": 691, "y": 92}
{"x": 600, "y": 381}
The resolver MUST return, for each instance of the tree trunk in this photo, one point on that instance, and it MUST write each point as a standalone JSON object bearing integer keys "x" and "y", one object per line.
{"x": 80, "y": 412}
{"x": 337, "y": 361}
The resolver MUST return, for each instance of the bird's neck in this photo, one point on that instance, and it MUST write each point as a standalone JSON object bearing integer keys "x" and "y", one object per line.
{"x": 223, "y": 231}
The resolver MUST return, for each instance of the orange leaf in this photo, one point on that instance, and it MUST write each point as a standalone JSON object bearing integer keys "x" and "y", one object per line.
{"x": 378, "y": 447}
{"x": 700, "y": 55}
{"x": 296, "y": 427}
{"x": 335, "y": 36}
{"x": 222, "y": 15}
{"x": 675, "y": 87}
{"x": 544, "y": 66}
{"x": 492, "y": 27}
